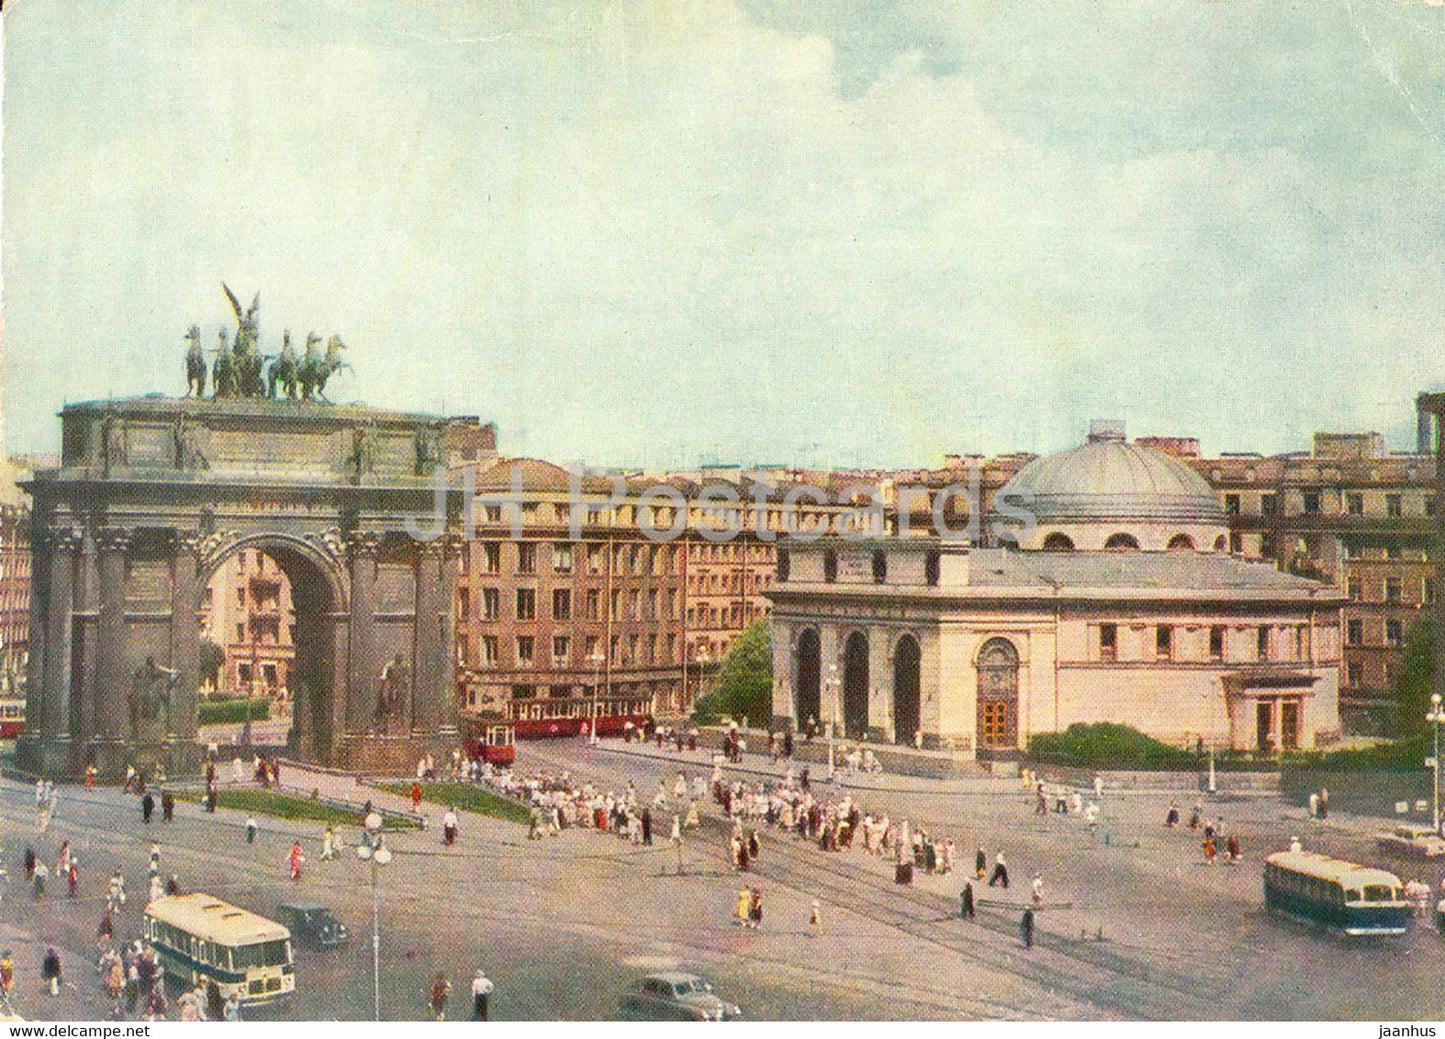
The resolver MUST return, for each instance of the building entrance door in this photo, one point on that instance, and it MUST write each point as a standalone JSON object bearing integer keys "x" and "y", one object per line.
{"x": 1289, "y": 724}
{"x": 1263, "y": 718}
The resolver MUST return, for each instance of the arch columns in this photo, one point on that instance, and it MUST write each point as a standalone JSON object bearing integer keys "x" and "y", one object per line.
{"x": 185, "y": 632}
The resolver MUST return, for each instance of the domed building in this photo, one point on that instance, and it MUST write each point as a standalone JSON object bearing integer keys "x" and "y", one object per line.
{"x": 1110, "y": 596}
{"x": 1110, "y": 494}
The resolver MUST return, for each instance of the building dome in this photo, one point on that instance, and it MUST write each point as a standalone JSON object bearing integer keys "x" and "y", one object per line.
{"x": 1109, "y": 493}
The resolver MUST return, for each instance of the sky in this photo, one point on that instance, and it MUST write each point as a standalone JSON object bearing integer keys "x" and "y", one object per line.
{"x": 832, "y": 232}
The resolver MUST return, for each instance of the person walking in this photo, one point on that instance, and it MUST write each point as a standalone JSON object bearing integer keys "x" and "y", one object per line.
{"x": 744, "y": 904}
{"x": 646, "y": 825}
{"x": 294, "y": 860}
{"x": 328, "y": 845}
{"x": 233, "y": 1007}
{"x": 72, "y": 880}
{"x": 755, "y": 909}
{"x": 1038, "y": 889}
{"x": 415, "y": 796}
{"x": 168, "y": 806}
{"x": 437, "y": 1000}
{"x": 449, "y": 827}
{"x": 980, "y": 863}
{"x": 7, "y": 977}
{"x": 1324, "y": 803}
{"x": 965, "y": 901}
{"x": 250, "y": 829}
{"x": 481, "y": 992}
{"x": 1195, "y": 815}
{"x": 1295, "y": 845}
{"x": 815, "y": 919}
{"x": 42, "y": 873}
{"x": 29, "y": 864}
{"x": 1171, "y": 818}
{"x": 1000, "y": 872}
{"x": 147, "y": 807}
{"x": 50, "y": 971}
{"x": 1026, "y": 928}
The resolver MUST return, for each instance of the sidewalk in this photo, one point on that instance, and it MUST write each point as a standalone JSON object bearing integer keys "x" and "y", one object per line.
{"x": 763, "y": 765}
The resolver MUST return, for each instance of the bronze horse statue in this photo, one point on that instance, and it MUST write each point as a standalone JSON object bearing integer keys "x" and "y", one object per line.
{"x": 223, "y": 375}
{"x": 285, "y": 371}
{"x": 316, "y": 369}
{"x": 195, "y": 364}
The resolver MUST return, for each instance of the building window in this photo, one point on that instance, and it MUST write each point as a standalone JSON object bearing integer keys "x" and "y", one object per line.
{"x": 1354, "y": 674}
{"x": 562, "y": 557}
{"x": 784, "y": 563}
{"x": 593, "y": 647}
{"x": 1231, "y": 504}
{"x": 526, "y": 604}
{"x": 523, "y": 692}
{"x": 1312, "y": 503}
{"x": 594, "y": 558}
{"x": 1163, "y": 641}
{"x": 1427, "y": 592}
{"x": 880, "y": 566}
{"x": 1268, "y": 504}
{"x": 1394, "y": 632}
{"x": 1350, "y": 550}
{"x": 489, "y": 649}
{"x": 526, "y": 558}
{"x": 1236, "y": 543}
{"x": 1394, "y": 505}
{"x": 930, "y": 569}
{"x": 1355, "y": 504}
{"x": 1216, "y": 642}
{"x": 464, "y": 603}
{"x": 594, "y": 604}
{"x": 561, "y": 647}
{"x": 1267, "y": 546}
{"x": 561, "y": 604}
{"x": 1354, "y": 632}
{"x": 491, "y": 604}
{"x": 1353, "y": 588}
{"x": 830, "y": 566}
{"x": 1392, "y": 589}
{"x": 491, "y": 557}
{"x": 1261, "y": 642}
{"x": 1121, "y": 542}
{"x": 1057, "y": 542}
{"x": 525, "y": 650}
{"x": 1393, "y": 552}
{"x": 1108, "y": 642}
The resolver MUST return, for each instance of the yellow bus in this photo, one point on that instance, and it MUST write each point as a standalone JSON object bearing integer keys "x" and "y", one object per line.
{"x": 198, "y": 937}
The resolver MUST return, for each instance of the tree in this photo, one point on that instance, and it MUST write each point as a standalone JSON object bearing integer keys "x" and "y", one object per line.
{"x": 1414, "y": 680}
{"x": 212, "y": 658}
{"x": 744, "y": 686}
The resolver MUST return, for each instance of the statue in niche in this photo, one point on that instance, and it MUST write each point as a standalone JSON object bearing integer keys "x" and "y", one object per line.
{"x": 392, "y": 694}
{"x": 149, "y": 702}
{"x": 188, "y": 445}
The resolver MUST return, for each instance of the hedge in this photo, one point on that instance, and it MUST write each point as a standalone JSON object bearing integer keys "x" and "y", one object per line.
{"x": 1109, "y": 745}
{"x": 467, "y": 799}
{"x": 217, "y": 712}
{"x": 1407, "y": 755}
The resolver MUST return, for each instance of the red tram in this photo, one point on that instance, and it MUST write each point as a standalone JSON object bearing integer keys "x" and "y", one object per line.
{"x": 548, "y": 716}
{"x": 12, "y": 717}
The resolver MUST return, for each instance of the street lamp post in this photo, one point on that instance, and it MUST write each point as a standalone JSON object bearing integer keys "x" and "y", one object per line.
{"x": 834, "y": 693}
{"x": 378, "y": 854}
{"x": 1435, "y": 716}
{"x": 596, "y": 661}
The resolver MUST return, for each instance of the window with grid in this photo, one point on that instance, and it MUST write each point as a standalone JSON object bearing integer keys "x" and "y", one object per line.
{"x": 526, "y": 604}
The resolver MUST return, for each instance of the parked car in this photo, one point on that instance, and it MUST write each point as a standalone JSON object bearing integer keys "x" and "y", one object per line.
{"x": 313, "y": 924}
{"x": 1416, "y": 842}
{"x": 675, "y": 996}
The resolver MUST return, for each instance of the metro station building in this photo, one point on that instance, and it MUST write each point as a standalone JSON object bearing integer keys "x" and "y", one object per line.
{"x": 1119, "y": 602}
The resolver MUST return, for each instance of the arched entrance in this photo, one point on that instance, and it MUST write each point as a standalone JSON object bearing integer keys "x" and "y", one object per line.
{"x": 153, "y": 494}
{"x": 270, "y": 604}
{"x": 855, "y": 686}
{"x": 998, "y": 694}
{"x": 907, "y": 714}
{"x": 807, "y": 705}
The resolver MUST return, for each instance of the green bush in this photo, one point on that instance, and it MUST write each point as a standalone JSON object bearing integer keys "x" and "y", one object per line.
{"x": 1406, "y": 755}
{"x": 280, "y": 805}
{"x": 1109, "y": 745}
{"x": 217, "y": 712}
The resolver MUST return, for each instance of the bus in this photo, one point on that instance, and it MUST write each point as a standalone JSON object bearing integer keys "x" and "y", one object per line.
{"x": 12, "y": 717}
{"x": 1342, "y": 895}
{"x": 198, "y": 937}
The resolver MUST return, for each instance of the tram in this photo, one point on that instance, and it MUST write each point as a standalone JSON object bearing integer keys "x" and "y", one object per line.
{"x": 547, "y": 716}
{"x": 493, "y": 744}
{"x": 1347, "y": 897}
{"x": 12, "y": 717}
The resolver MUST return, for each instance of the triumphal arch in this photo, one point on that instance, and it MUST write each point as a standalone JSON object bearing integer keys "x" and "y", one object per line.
{"x": 153, "y": 494}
